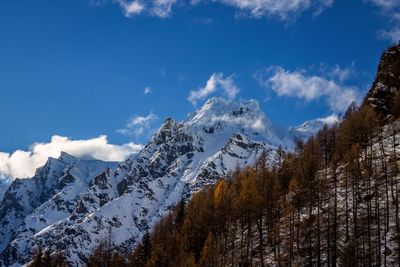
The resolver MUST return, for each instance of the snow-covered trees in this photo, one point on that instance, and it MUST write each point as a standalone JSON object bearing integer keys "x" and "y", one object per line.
{"x": 332, "y": 202}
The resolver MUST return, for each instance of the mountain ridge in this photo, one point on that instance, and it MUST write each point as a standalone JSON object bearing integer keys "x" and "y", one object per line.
{"x": 180, "y": 159}
{"x": 129, "y": 198}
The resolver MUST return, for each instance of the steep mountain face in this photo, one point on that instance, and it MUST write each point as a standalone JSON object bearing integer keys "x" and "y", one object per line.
{"x": 4, "y": 184}
{"x": 387, "y": 81}
{"x": 31, "y": 205}
{"x": 80, "y": 209}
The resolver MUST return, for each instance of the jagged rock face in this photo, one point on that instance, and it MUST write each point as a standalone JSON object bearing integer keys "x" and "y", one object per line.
{"x": 4, "y": 184}
{"x": 31, "y": 205}
{"x": 387, "y": 81}
{"x": 75, "y": 213}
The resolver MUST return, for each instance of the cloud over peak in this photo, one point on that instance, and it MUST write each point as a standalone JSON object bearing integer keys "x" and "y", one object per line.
{"x": 216, "y": 83}
{"x": 21, "y": 164}
{"x": 329, "y": 120}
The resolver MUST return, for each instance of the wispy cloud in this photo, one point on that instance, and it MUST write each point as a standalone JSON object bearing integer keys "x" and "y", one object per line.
{"x": 391, "y": 10}
{"x": 329, "y": 120}
{"x": 203, "y": 21}
{"x": 280, "y": 9}
{"x": 392, "y": 34}
{"x": 21, "y": 164}
{"x": 217, "y": 82}
{"x": 385, "y": 3}
{"x": 132, "y": 8}
{"x": 341, "y": 73}
{"x": 302, "y": 85}
{"x": 138, "y": 125}
{"x": 147, "y": 90}
{"x": 158, "y": 8}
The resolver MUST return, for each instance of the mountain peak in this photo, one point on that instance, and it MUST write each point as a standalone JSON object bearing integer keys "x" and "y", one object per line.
{"x": 217, "y": 109}
{"x": 215, "y": 103}
{"x": 56, "y": 165}
{"x": 387, "y": 81}
{"x": 311, "y": 127}
{"x": 166, "y": 131}
{"x": 214, "y": 100}
{"x": 66, "y": 158}
{"x": 219, "y": 115}
{"x": 168, "y": 122}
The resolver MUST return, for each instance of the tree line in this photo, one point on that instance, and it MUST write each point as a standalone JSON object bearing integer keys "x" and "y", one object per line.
{"x": 334, "y": 201}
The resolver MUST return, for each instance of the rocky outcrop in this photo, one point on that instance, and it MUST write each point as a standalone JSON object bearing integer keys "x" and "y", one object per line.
{"x": 387, "y": 82}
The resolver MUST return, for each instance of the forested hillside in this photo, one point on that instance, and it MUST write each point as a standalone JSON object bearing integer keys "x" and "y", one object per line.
{"x": 334, "y": 201}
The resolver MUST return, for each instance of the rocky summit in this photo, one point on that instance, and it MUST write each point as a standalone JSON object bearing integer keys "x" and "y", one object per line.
{"x": 387, "y": 80}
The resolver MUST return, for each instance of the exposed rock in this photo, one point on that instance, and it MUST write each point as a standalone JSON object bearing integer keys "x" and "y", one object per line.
{"x": 387, "y": 82}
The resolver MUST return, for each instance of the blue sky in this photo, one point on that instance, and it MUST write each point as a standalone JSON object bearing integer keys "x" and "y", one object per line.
{"x": 80, "y": 69}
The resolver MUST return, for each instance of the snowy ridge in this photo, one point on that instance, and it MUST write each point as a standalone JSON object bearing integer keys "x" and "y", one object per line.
{"x": 311, "y": 127}
{"x": 31, "y": 205}
{"x": 74, "y": 202}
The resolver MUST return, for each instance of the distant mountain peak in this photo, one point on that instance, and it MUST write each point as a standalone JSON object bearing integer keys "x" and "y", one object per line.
{"x": 311, "y": 127}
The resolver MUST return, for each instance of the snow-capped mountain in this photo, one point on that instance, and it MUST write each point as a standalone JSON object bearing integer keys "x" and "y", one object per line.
{"x": 31, "y": 205}
{"x": 78, "y": 203}
{"x": 311, "y": 127}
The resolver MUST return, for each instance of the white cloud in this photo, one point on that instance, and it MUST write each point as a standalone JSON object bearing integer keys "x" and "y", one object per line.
{"x": 217, "y": 82}
{"x": 258, "y": 124}
{"x": 340, "y": 73}
{"x": 311, "y": 127}
{"x": 132, "y": 8}
{"x": 21, "y": 164}
{"x": 392, "y": 34}
{"x": 391, "y": 10}
{"x": 307, "y": 87}
{"x": 158, "y": 8}
{"x": 162, "y": 8}
{"x": 138, "y": 125}
{"x": 282, "y": 9}
{"x": 385, "y": 3}
{"x": 329, "y": 120}
{"x": 147, "y": 90}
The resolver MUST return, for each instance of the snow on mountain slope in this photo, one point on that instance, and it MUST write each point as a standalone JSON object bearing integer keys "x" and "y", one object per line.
{"x": 179, "y": 159}
{"x": 223, "y": 117}
{"x": 30, "y": 205}
{"x": 4, "y": 184}
{"x": 311, "y": 127}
